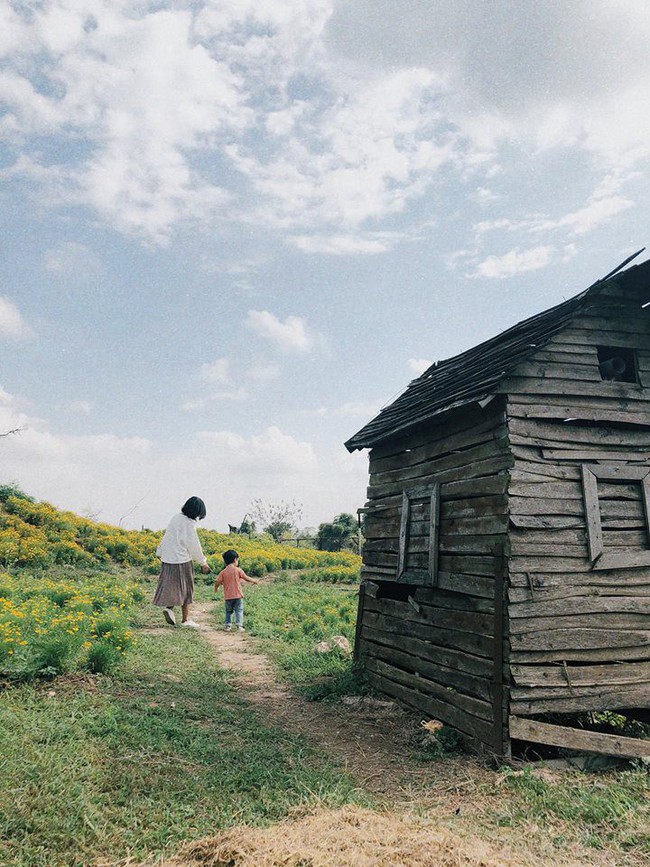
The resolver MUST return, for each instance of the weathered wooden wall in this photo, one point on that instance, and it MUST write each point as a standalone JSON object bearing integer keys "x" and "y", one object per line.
{"x": 579, "y": 638}
{"x": 435, "y": 648}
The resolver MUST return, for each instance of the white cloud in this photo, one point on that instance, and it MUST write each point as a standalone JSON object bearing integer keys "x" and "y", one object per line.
{"x": 12, "y": 323}
{"x": 263, "y": 371}
{"x": 110, "y": 475}
{"x": 272, "y": 452}
{"x": 70, "y": 258}
{"x": 216, "y": 371}
{"x": 234, "y": 394}
{"x": 292, "y": 335}
{"x": 351, "y": 409}
{"x": 82, "y": 407}
{"x": 514, "y": 262}
{"x": 345, "y": 245}
{"x": 419, "y": 365}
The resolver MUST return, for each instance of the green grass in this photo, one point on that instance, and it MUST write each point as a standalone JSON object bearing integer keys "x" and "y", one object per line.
{"x": 162, "y": 752}
{"x": 289, "y": 617}
{"x": 609, "y": 809}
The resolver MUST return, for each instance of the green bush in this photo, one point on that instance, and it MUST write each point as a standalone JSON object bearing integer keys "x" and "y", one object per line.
{"x": 102, "y": 657}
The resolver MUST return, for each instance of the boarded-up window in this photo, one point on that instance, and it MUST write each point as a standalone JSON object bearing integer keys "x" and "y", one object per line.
{"x": 617, "y": 509}
{"x": 418, "y": 538}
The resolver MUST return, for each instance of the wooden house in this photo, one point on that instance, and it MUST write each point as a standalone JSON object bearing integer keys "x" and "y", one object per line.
{"x": 506, "y": 574}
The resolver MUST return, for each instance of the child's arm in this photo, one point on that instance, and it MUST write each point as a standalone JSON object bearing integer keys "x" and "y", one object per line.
{"x": 247, "y": 578}
{"x": 218, "y": 582}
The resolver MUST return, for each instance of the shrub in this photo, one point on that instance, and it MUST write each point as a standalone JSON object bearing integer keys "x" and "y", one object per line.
{"x": 102, "y": 657}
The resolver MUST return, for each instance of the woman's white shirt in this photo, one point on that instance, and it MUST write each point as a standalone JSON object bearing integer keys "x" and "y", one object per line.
{"x": 180, "y": 542}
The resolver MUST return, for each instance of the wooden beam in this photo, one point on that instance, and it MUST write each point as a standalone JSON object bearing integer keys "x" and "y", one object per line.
{"x": 578, "y": 739}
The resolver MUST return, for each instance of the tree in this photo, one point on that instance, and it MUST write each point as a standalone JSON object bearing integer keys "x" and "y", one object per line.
{"x": 336, "y": 534}
{"x": 276, "y": 519}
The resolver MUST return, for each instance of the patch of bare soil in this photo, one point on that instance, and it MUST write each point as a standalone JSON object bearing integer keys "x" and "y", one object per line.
{"x": 373, "y": 741}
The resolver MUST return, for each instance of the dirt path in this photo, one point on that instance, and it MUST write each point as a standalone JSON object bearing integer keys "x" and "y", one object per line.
{"x": 375, "y": 742}
{"x": 371, "y": 739}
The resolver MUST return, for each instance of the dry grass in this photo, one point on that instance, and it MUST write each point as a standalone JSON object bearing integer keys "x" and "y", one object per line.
{"x": 350, "y": 836}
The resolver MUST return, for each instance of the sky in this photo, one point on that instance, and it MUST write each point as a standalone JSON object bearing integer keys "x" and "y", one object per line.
{"x": 232, "y": 230}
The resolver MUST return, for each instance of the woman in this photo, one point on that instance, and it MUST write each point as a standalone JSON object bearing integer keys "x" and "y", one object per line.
{"x": 179, "y": 547}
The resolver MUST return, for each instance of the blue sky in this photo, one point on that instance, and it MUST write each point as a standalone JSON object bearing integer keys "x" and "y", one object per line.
{"x": 231, "y": 231}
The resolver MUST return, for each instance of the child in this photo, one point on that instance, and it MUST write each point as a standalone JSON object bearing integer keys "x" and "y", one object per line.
{"x": 231, "y": 578}
{"x": 179, "y": 547}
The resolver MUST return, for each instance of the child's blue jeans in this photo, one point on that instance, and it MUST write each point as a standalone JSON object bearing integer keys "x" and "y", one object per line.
{"x": 236, "y": 607}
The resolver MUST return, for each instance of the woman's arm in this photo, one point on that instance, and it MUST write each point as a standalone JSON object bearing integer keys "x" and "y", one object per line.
{"x": 194, "y": 548}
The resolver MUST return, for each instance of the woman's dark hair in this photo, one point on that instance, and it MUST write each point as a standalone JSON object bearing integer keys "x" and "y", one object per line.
{"x": 194, "y": 508}
{"x": 230, "y": 556}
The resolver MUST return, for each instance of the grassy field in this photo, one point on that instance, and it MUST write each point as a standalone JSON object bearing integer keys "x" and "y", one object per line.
{"x": 145, "y": 742}
{"x": 161, "y": 751}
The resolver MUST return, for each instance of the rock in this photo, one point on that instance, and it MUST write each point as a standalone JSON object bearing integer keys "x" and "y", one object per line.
{"x": 341, "y": 642}
{"x": 336, "y": 642}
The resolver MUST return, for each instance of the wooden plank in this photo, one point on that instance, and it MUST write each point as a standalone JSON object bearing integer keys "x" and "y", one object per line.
{"x": 527, "y": 471}
{"x": 578, "y": 408}
{"x": 626, "y": 391}
{"x": 552, "y": 490}
{"x": 603, "y": 582}
{"x": 539, "y": 432}
{"x": 469, "y": 705}
{"x": 613, "y": 559}
{"x": 448, "y": 657}
{"x": 549, "y": 564}
{"x": 459, "y": 419}
{"x": 588, "y": 655}
{"x": 459, "y": 582}
{"x": 566, "y": 355}
{"x": 546, "y": 522}
{"x": 578, "y": 639}
{"x": 572, "y": 591}
{"x": 437, "y": 618}
{"x": 487, "y": 467}
{"x": 472, "y": 507}
{"x": 479, "y": 645}
{"x": 403, "y": 535}
{"x": 638, "y": 324}
{"x": 483, "y": 526}
{"x": 434, "y": 529}
{"x": 597, "y": 620}
{"x": 556, "y": 369}
{"x": 568, "y": 454}
{"x": 539, "y": 676}
{"x": 601, "y": 337}
{"x": 461, "y": 544}
{"x": 441, "y": 598}
{"x": 444, "y": 676}
{"x": 357, "y": 631}
{"x": 500, "y": 652}
{"x": 521, "y": 505}
{"x": 442, "y": 441}
{"x": 453, "y": 461}
{"x": 466, "y": 565}
{"x": 580, "y": 701}
{"x": 592, "y": 605}
{"x": 577, "y": 739}
{"x": 467, "y": 725}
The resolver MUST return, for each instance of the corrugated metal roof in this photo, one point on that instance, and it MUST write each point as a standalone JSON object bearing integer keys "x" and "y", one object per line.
{"x": 473, "y": 375}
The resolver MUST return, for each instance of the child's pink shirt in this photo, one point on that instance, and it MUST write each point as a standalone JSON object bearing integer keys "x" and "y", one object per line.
{"x": 231, "y": 578}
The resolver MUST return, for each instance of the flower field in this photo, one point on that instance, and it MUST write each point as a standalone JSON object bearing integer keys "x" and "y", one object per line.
{"x": 67, "y": 583}
{"x": 50, "y": 626}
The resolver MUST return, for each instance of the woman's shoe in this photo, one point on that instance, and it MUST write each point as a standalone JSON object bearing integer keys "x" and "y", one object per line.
{"x": 168, "y": 614}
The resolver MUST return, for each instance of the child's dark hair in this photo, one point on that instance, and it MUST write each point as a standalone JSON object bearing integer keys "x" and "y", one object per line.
{"x": 230, "y": 556}
{"x": 194, "y": 508}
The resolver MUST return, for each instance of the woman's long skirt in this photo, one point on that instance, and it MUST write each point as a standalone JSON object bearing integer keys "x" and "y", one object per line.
{"x": 175, "y": 585}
